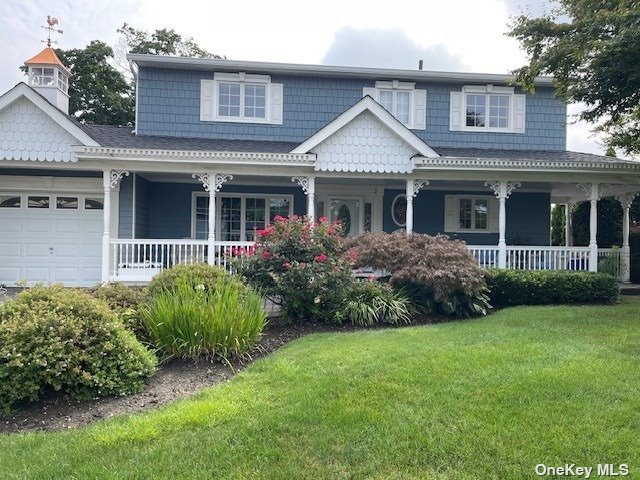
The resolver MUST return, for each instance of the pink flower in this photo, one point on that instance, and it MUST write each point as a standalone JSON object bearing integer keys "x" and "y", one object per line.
{"x": 322, "y": 220}
{"x": 279, "y": 218}
{"x": 265, "y": 254}
{"x": 320, "y": 258}
{"x": 331, "y": 231}
{"x": 286, "y": 265}
{"x": 261, "y": 232}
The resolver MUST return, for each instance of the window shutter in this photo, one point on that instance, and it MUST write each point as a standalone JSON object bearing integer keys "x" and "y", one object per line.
{"x": 419, "y": 109}
{"x": 276, "y": 103}
{"x": 206, "y": 100}
{"x": 494, "y": 214}
{"x": 455, "y": 111}
{"x": 518, "y": 113}
{"x": 450, "y": 208}
{"x": 371, "y": 92}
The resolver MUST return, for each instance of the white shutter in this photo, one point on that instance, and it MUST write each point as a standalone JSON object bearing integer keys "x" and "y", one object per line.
{"x": 450, "y": 210}
{"x": 519, "y": 113}
{"x": 276, "y": 103}
{"x": 455, "y": 111}
{"x": 494, "y": 214}
{"x": 419, "y": 109}
{"x": 371, "y": 92}
{"x": 206, "y": 100}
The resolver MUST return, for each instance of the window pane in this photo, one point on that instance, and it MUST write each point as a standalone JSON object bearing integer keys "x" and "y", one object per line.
{"x": 37, "y": 202}
{"x": 499, "y": 111}
{"x": 476, "y": 106}
{"x": 254, "y": 101}
{"x": 386, "y": 99}
{"x": 68, "y": 203}
{"x": 254, "y": 216}
{"x": 93, "y": 203}
{"x": 10, "y": 201}
{"x": 229, "y": 99}
{"x": 231, "y": 218}
{"x": 367, "y": 217}
{"x": 465, "y": 213}
{"x": 279, "y": 206}
{"x": 402, "y": 107}
{"x": 480, "y": 219}
{"x": 202, "y": 217}
{"x": 399, "y": 210}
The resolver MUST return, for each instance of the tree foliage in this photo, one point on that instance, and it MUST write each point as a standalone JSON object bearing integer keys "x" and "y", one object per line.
{"x": 593, "y": 57}
{"x": 162, "y": 42}
{"x": 558, "y": 223}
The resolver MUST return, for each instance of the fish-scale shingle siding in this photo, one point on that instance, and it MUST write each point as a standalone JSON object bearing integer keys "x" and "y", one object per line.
{"x": 169, "y": 104}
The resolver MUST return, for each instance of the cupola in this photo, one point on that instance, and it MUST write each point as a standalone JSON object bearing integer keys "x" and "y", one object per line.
{"x": 49, "y": 77}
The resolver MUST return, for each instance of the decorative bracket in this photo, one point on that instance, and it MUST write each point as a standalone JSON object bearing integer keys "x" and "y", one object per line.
{"x": 626, "y": 199}
{"x": 497, "y": 188}
{"x": 418, "y": 185}
{"x": 218, "y": 180}
{"x": 587, "y": 188}
{"x": 115, "y": 176}
{"x": 303, "y": 182}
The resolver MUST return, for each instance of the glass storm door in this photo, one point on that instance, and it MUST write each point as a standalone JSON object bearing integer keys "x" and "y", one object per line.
{"x": 347, "y": 212}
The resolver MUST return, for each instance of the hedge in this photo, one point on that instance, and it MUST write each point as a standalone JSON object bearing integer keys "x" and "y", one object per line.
{"x": 530, "y": 287}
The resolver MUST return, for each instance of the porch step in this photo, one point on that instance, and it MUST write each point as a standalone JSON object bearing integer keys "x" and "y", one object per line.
{"x": 630, "y": 289}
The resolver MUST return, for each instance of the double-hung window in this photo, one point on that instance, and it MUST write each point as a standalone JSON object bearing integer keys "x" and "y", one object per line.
{"x": 402, "y": 100}
{"x": 471, "y": 214}
{"x": 483, "y": 110}
{"x": 487, "y": 109}
{"x": 397, "y": 102}
{"x": 238, "y": 100}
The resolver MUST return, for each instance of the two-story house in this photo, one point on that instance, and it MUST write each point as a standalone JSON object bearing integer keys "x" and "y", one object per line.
{"x": 221, "y": 147}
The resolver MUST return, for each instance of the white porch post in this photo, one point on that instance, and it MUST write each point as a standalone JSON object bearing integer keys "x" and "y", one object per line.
{"x": 412, "y": 189}
{"x": 594, "y": 192}
{"x": 568, "y": 235}
{"x": 308, "y": 185}
{"x": 212, "y": 183}
{"x": 502, "y": 189}
{"x": 625, "y": 201}
{"x": 110, "y": 180}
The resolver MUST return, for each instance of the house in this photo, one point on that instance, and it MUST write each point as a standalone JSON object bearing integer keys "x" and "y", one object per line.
{"x": 220, "y": 147}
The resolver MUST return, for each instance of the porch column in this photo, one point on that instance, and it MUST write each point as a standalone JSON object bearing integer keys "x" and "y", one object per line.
{"x": 502, "y": 189}
{"x": 308, "y": 185}
{"x": 212, "y": 183}
{"x": 412, "y": 189}
{"x": 594, "y": 192}
{"x": 568, "y": 234}
{"x": 625, "y": 268}
{"x": 110, "y": 180}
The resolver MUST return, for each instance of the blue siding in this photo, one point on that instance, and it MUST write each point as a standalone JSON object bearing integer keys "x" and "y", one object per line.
{"x": 169, "y": 104}
{"x": 528, "y": 217}
{"x": 125, "y": 216}
{"x": 142, "y": 208}
{"x": 170, "y": 205}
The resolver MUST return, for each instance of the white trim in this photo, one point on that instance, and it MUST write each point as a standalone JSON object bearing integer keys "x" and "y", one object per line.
{"x": 466, "y": 163}
{"x": 133, "y": 206}
{"x": 242, "y": 79}
{"x": 488, "y": 91}
{"x": 491, "y": 204}
{"x": 243, "y": 197}
{"x": 30, "y": 183}
{"x": 367, "y": 103}
{"x": 23, "y": 90}
{"x": 361, "y": 201}
{"x": 393, "y": 204}
{"x": 396, "y": 86}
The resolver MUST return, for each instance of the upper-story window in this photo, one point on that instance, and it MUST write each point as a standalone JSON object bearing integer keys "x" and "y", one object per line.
{"x": 241, "y": 97}
{"x": 487, "y": 109}
{"x": 402, "y": 100}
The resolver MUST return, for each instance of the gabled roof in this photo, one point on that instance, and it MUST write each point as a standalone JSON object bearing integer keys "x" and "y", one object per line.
{"x": 47, "y": 57}
{"x": 366, "y": 104}
{"x": 23, "y": 90}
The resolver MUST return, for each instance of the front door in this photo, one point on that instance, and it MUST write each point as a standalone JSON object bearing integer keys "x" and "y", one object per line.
{"x": 347, "y": 212}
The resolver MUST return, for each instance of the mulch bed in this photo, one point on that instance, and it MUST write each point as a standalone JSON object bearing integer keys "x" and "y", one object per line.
{"x": 174, "y": 380}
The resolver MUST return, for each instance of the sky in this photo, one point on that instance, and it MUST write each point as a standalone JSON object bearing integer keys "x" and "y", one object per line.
{"x": 450, "y": 35}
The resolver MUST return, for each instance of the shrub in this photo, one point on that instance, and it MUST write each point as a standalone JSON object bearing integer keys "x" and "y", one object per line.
{"x": 438, "y": 274}
{"x": 201, "y": 321}
{"x": 368, "y": 303}
{"x": 193, "y": 275}
{"x": 63, "y": 339}
{"x": 529, "y": 287}
{"x": 300, "y": 266}
{"x": 609, "y": 264}
{"x": 125, "y": 302}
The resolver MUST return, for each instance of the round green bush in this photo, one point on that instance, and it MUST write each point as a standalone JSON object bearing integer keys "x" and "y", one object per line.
{"x": 194, "y": 275}
{"x": 64, "y": 339}
{"x": 125, "y": 302}
{"x": 369, "y": 302}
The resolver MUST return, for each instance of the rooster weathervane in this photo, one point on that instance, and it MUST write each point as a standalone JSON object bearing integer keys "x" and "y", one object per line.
{"x": 52, "y": 23}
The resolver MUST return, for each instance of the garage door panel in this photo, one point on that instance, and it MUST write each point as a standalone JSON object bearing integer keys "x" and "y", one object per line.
{"x": 37, "y": 226}
{"x": 92, "y": 251}
{"x": 63, "y": 251}
{"x": 9, "y": 274}
{"x": 11, "y": 225}
{"x": 90, "y": 276}
{"x": 93, "y": 226}
{"x": 70, "y": 226}
{"x": 67, "y": 275}
{"x": 37, "y": 251}
{"x": 10, "y": 251}
{"x": 36, "y": 274}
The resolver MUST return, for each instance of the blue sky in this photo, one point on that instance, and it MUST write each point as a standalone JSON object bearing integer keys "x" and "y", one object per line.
{"x": 452, "y": 35}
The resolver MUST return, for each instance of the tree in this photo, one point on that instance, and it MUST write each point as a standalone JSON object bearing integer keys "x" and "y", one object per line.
{"x": 162, "y": 42}
{"x": 609, "y": 223}
{"x": 594, "y": 59}
{"x": 98, "y": 93}
{"x": 558, "y": 223}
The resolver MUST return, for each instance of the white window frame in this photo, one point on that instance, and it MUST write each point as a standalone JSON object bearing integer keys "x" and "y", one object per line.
{"x": 474, "y": 198}
{"x": 242, "y": 79}
{"x": 488, "y": 91}
{"x": 402, "y": 224}
{"x": 58, "y": 79}
{"x": 243, "y": 207}
{"x": 396, "y": 86}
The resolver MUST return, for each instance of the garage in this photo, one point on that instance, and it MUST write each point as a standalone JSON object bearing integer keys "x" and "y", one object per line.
{"x": 50, "y": 236}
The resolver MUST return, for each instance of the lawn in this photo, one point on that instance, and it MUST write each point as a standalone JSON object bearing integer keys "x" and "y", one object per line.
{"x": 485, "y": 398}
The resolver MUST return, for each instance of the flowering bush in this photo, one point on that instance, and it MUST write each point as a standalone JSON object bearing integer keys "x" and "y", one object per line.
{"x": 300, "y": 266}
{"x": 438, "y": 274}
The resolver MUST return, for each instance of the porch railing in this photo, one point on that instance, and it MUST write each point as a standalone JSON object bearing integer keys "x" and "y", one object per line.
{"x": 615, "y": 252}
{"x": 140, "y": 260}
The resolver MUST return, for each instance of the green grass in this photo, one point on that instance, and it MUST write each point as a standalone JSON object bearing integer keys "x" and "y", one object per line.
{"x": 482, "y": 399}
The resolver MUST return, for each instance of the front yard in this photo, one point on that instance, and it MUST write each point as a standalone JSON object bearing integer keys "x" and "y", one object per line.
{"x": 484, "y": 398}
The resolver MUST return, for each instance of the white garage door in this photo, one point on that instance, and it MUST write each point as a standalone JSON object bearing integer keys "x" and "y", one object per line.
{"x": 50, "y": 238}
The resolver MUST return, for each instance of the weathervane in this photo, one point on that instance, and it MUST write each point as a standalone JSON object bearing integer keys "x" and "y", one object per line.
{"x": 52, "y": 22}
